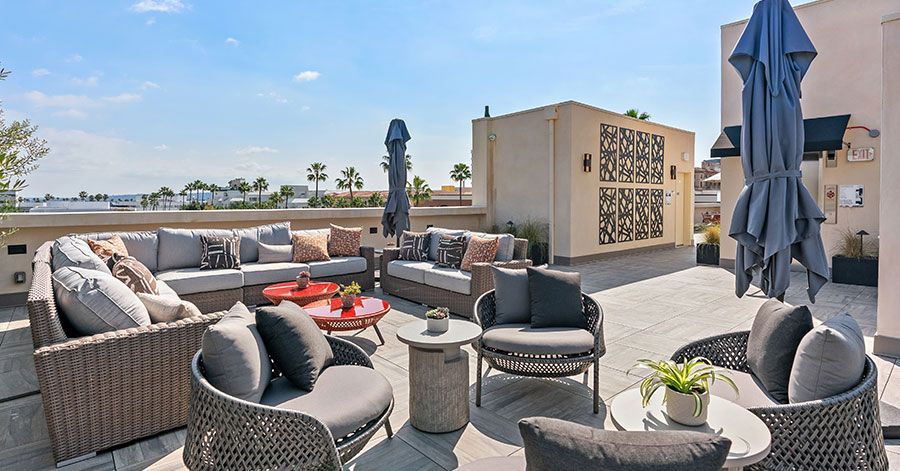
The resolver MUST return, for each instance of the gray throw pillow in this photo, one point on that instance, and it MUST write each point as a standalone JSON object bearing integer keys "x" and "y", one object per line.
{"x": 298, "y": 347}
{"x": 830, "y": 360}
{"x": 555, "y": 298}
{"x": 275, "y": 253}
{"x": 94, "y": 302}
{"x": 235, "y": 356}
{"x": 553, "y": 444}
{"x": 71, "y": 251}
{"x": 774, "y": 338}
{"x": 513, "y": 304}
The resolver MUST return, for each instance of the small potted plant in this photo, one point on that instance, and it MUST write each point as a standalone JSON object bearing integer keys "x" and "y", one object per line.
{"x": 687, "y": 387}
{"x": 708, "y": 250}
{"x": 855, "y": 261}
{"x": 303, "y": 279}
{"x": 348, "y": 294}
{"x": 438, "y": 320}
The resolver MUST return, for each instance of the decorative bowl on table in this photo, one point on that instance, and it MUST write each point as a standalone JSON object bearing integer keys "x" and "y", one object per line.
{"x": 303, "y": 280}
{"x": 438, "y": 320}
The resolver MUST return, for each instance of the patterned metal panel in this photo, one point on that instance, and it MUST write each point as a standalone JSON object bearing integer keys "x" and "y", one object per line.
{"x": 642, "y": 158}
{"x": 609, "y": 152}
{"x": 656, "y": 213}
{"x": 641, "y": 213}
{"x": 626, "y": 214}
{"x": 656, "y": 159}
{"x": 607, "y": 216}
{"x": 626, "y": 155}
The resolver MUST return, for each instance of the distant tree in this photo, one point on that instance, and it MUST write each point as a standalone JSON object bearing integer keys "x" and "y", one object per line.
{"x": 213, "y": 188}
{"x": 83, "y": 195}
{"x": 316, "y": 173}
{"x": 287, "y": 192}
{"x": 198, "y": 187}
{"x": 92, "y": 198}
{"x": 419, "y": 190}
{"x": 48, "y": 197}
{"x": 312, "y": 202}
{"x": 275, "y": 199}
{"x": 637, "y": 114}
{"x": 98, "y": 197}
{"x": 349, "y": 180}
{"x": 375, "y": 200}
{"x": 461, "y": 173}
{"x": 244, "y": 188}
{"x": 386, "y": 162}
{"x": 166, "y": 194}
{"x": 260, "y": 185}
{"x": 154, "y": 200}
{"x": 145, "y": 201}
{"x": 327, "y": 201}
{"x": 105, "y": 197}
{"x": 182, "y": 194}
{"x": 341, "y": 203}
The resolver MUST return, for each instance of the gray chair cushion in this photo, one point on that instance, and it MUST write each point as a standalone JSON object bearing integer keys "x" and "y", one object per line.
{"x": 751, "y": 392}
{"x": 774, "y": 338}
{"x": 180, "y": 248}
{"x": 271, "y": 234}
{"x": 94, "y": 302}
{"x": 513, "y": 305}
{"x": 409, "y": 270}
{"x": 142, "y": 245}
{"x": 523, "y": 338}
{"x": 194, "y": 280}
{"x": 435, "y": 233}
{"x": 297, "y": 346}
{"x": 337, "y": 266}
{"x": 345, "y": 397}
{"x": 552, "y": 444}
{"x": 271, "y": 273}
{"x": 69, "y": 251}
{"x": 555, "y": 298}
{"x": 275, "y": 253}
{"x": 497, "y": 463}
{"x": 450, "y": 279}
{"x": 506, "y": 246}
{"x": 235, "y": 356}
{"x": 830, "y": 360}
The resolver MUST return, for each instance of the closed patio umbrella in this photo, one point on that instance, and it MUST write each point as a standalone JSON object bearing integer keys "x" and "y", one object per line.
{"x": 775, "y": 218}
{"x": 395, "y": 219}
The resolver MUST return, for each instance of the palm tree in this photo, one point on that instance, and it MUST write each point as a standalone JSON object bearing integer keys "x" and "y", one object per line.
{"x": 182, "y": 194}
{"x": 460, "y": 173}
{"x": 349, "y": 180}
{"x": 213, "y": 188}
{"x": 199, "y": 187}
{"x": 244, "y": 188}
{"x": 260, "y": 185}
{"x": 167, "y": 194}
{"x": 105, "y": 197}
{"x": 48, "y": 197}
{"x": 92, "y": 198}
{"x": 316, "y": 173}
{"x": 375, "y": 200}
{"x": 83, "y": 195}
{"x": 419, "y": 190}
{"x": 637, "y": 114}
{"x": 144, "y": 202}
{"x": 287, "y": 191}
{"x": 275, "y": 199}
{"x": 327, "y": 201}
{"x": 98, "y": 197}
{"x": 386, "y": 162}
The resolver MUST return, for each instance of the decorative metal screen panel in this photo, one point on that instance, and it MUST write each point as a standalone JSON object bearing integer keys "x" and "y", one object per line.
{"x": 607, "y": 216}
{"x": 609, "y": 152}
{"x": 656, "y": 213}
{"x": 641, "y": 213}
{"x": 656, "y": 159}
{"x": 642, "y": 158}
{"x": 626, "y": 214}
{"x": 626, "y": 155}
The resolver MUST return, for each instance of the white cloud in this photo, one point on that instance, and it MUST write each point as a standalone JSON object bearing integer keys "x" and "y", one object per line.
{"x": 39, "y": 99}
{"x": 233, "y": 42}
{"x": 70, "y": 113}
{"x": 307, "y": 76}
{"x": 87, "y": 81}
{"x": 274, "y": 96}
{"x": 161, "y": 147}
{"x": 75, "y": 58}
{"x": 304, "y": 108}
{"x": 165, "y": 6}
{"x": 150, "y": 21}
{"x": 256, "y": 150}
{"x": 40, "y": 72}
{"x": 148, "y": 84}
{"x": 123, "y": 98}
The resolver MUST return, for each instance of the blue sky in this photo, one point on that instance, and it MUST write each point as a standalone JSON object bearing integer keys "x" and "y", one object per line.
{"x": 134, "y": 95}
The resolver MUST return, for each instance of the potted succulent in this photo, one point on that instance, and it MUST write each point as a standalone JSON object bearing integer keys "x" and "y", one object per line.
{"x": 708, "y": 250}
{"x": 687, "y": 387}
{"x": 348, "y": 294}
{"x": 855, "y": 261}
{"x": 438, "y": 320}
{"x": 303, "y": 279}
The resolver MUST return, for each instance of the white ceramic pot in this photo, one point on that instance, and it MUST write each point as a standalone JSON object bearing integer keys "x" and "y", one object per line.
{"x": 680, "y": 407}
{"x": 438, "y": 326}
{"x": 348, "y": 301}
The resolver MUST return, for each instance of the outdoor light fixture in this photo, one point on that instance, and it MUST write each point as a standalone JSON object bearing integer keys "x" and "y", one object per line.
{"x": 492, "y": 137}
{"x": 673, "y": 172}
{"x": 587, "y": 163}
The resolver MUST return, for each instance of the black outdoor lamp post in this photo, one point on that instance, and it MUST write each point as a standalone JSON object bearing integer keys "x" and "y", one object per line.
{"x": 861, "y": 234}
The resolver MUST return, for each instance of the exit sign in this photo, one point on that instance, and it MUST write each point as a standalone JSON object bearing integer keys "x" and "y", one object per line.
{"x": 862, "y": 154}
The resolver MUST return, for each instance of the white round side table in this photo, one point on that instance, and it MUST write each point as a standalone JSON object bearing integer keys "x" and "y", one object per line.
{"x": 438, "y": 375}
{"x": 750, "y": 438}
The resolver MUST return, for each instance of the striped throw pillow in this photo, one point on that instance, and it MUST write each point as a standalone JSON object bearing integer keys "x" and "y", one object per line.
{"x": 220, "y": 252}
{"x": 450, "y": 251}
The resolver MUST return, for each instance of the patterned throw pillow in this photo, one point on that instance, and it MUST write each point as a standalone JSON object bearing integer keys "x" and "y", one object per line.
{"x": 220, "y": 252}
{"x": 135, "y": 275}
{"x": 310, "y": 247}
{"x": 450, "y": 251}
{"x": 414, "y": 246}
{"x": 109, "y": 247}
{"x": 345, "y": 241}
{"x": 479, "y": 250}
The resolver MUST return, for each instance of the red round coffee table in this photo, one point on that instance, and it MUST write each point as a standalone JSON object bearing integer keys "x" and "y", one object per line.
{"x": 366, "y": 312}
{"x": 290, "y": 292}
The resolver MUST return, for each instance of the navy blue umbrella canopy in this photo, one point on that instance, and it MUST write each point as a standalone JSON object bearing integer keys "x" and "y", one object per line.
{"x": 395, "y": 219}
{"x": 775, "y": 218}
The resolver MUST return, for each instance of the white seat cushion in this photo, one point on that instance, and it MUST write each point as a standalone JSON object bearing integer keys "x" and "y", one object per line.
{"x": 449, "y": 279}
{"x": 194, "y": 280}
{"x": 271, "y": 273}
{"x": 337, "y": 266}
{"x": 522, "y": 338}
{"x": 409, "y": 270}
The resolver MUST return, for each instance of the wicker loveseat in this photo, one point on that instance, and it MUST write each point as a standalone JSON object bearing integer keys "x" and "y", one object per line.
{"x": 838, "y": 433}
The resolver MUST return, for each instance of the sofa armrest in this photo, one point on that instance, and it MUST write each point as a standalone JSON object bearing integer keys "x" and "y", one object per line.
{"x": 368, "y": 253}
{"x": 483, "y": 279}
{"x": 520, "y": 249}
{"x": 388, "y": 255}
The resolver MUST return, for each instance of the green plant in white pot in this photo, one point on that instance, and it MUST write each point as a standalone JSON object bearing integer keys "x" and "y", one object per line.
{"x": 687, "y": 387}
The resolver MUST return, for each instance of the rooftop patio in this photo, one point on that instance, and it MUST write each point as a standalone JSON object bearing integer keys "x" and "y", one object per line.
{"x": 653, "y": 303}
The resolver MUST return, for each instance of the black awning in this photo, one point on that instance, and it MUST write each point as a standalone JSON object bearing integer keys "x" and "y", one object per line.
{"x": 825, "y": 133}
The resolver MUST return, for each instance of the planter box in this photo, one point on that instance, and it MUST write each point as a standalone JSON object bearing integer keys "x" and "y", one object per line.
{"x": 707, "y": 254}
{"x": 854, "y": 271}
{"x": 539, "y": 253}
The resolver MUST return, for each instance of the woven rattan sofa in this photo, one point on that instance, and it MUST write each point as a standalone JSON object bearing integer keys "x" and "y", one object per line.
{"x": 838, "y": 433}
{"x": 227, "y": 433}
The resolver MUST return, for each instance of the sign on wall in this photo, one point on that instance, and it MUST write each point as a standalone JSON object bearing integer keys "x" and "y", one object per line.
{"x": 851, "y": 196}
{"x": 831, "y": 198}
{"x": 861, "y": 154}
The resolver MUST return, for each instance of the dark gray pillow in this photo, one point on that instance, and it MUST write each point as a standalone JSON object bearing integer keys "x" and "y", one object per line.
{"x": 235, "y": 357}
{"x": 94, "y": 302}
{"x": 555, "y": 298}
{"x": 513, "y": 304}
{"x": 553, "y": 444}
{"x": 297, "y": 346}
{"x": 830, "y": 360}
{"x": 774, "y": 338}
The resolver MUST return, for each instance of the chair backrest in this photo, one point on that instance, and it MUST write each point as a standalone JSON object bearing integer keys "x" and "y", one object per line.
{"x": 46, "y": 326}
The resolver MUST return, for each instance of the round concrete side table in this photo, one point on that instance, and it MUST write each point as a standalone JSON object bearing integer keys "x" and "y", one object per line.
{"x": 438, "y": 375}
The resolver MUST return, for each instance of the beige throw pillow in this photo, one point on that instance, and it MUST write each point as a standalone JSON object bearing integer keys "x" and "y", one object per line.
{"x": 166, "y": 308}
{"x": 479, "y": 250}
{"x": 310, "y": 247}
{"x": 345, "y": 241}
{"x": 109, "y": 247}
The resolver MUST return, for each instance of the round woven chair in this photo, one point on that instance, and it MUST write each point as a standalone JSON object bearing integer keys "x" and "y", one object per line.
{"x": 541, "y": 366}
{"x": 837, "y": 433}
{"x": 227, "y": 433}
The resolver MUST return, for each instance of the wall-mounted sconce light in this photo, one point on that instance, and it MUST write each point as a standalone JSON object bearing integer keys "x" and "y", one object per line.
{"x": 587, "y": 163}
{"x": 19, "y": 277}
{"x": 685, "y": 156}
{"x": 492, "y": 137}
{"x": 673, "y": 172}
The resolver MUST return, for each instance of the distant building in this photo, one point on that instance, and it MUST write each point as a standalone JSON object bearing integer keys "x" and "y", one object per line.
{"x": 61, "y": 206}
{"x": 703, "y": 175}
{"x": 9, "y": 198}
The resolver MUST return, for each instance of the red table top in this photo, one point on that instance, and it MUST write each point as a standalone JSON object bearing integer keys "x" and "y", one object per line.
{"x": 331, "y": 308}
{"x": 289, "y": 290}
